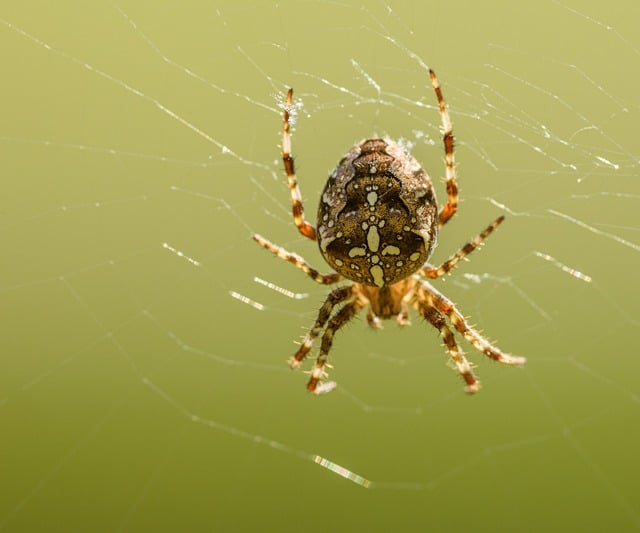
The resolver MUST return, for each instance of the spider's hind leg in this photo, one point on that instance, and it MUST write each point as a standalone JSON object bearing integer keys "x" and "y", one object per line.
{"x": 335, "y": 297}
{"x": 338, "y": 320}
{"x": 438, "y": 301}
{"x": 437, "y": 320}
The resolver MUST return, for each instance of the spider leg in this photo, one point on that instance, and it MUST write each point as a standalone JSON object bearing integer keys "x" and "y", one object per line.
{"x": 296, "y": 198}
{"x": 433, "y": 298}
{"x": 299, "y": 262}
{"x": 337, "y": 321}
{"x": 429, "y": 271}
{"x": 335, "y": 297}
{"x": 447, "y": 132}
{"x": 437, "y": 320}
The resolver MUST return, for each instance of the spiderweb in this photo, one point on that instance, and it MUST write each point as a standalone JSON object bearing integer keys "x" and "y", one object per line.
{"x": 144, "y": 383}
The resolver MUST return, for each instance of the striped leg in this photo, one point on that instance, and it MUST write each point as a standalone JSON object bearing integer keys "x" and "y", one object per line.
{"x": 295, "y": 259}
{"x": 296, "y": 198}
{"x": 435, "y": 299}
{"x": 435, "y": 272}
{"x": 462, "y": 365}
{"x": 335, "y": 297}
{"x": 447, "y": 131}
{"x": 337, "y": 321}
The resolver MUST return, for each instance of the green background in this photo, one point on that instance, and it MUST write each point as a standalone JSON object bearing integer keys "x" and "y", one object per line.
{"x": 137, "y": 394}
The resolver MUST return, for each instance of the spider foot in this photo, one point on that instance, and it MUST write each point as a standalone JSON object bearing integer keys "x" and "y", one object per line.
{"x": 472, "y": 388}
{"x": 324, "y": 387}
{"x": 403, "y": 319}
{"x": 472, "y": 384}
{"x": 294, "y": 363}
{"x": 464, "y": 368}
{"x": 514, "y": 360}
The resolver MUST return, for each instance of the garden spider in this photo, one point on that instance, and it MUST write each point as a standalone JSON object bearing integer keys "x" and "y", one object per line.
{"x": 378, "y": 223}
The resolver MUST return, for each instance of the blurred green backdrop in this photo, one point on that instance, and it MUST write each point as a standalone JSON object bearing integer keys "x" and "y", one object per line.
{"x": 140, "y": 150}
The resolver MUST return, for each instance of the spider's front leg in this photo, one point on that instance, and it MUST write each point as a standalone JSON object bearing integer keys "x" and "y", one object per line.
{"x": 304, "y": 227}
{"x": 451, "y": 207}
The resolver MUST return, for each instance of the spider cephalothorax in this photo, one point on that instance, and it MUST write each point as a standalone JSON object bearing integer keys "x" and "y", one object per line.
{"x": 378, "y": 223}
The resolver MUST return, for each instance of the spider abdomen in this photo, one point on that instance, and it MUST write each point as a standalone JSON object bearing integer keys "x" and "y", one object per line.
{"x": 378, "y": 216}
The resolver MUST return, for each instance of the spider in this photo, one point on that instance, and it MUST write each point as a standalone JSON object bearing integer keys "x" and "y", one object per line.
{"x": 378, "y": 222}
